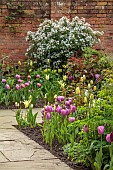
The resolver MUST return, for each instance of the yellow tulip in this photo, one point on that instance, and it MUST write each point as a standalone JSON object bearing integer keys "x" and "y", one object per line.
{"x": 26, "y": 103}
{"x": 47, "y": 77}
{"x": 31, "y": 63}
{"x": 94, "y": 88}
{"x": 85, "y": 99}
{"x": 89, "y": 86}
{"x": 19, "y": 62}
{"x": 77, "y": 90}
{"x": 45, "y": 71}
{"x": 91, "y": 82}
{"x": 84, "y": 77}
{"x": 59, "y": 70}
{"x": 64, "y": 78}
{"x": 81, "y": 79}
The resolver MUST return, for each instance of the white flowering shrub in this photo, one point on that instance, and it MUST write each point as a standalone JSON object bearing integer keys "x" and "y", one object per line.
{"x": 58, "y": 40}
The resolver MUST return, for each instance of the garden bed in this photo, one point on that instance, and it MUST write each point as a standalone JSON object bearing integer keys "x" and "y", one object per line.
{"x": 35, "y": 134}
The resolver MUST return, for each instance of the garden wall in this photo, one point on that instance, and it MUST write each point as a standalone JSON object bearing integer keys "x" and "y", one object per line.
{"x": 18, "y": 17}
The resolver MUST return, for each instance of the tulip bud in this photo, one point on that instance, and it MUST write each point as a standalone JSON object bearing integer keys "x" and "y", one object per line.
{"x": 85, "y": 129}
{"x": 91, "y": 82}
{"x": 77, "y": 90}
{"x": 100, "y": 130}
{"x": 85, "y": 99}
{"x": 81, "y": 79}
{"x": 84, "y": 77}
{"x": 89, "y": 86}
{"x": 94, "y": 88}
{"x": 108, "y": 138}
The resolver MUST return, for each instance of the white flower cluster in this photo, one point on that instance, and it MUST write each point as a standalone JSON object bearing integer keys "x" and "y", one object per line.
{"x": 58, "y": 40}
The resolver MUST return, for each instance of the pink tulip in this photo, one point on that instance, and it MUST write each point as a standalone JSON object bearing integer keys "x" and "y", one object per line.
{"x": 48, "y": 116}
{"x": 68, "y": 111}
{"x": 29, "y": 91}
{"x": 100, "y": 130}
{"x": 29, "y": 77}
{"x": 3, "y": 80}
{"x": 111, "y": 136}
{"x": 17, "y": 76}
{"x": 37, "y": 76}
{"x": 22, "y": 85}
{"x": 71, "y": 119}
{"x": 38, "y": 85}
{"x": 7, "y": 86}
{"x": 108, "y": 138}
{"x": 17, "y": 87}
{"x": 27, "y": 84}
{"x": 85, "y": 129}
{"x": 19, "y": 81}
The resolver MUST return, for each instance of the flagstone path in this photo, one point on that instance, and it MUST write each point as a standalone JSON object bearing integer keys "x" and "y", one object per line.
{"x": 18, "y": 152}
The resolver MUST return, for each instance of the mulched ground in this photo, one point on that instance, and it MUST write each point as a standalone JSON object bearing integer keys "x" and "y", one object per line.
{"x": 35, "y": 134}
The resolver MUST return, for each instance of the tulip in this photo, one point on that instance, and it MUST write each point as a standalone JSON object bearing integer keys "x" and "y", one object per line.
{"x": 73, "y": 108}
{"x": 100, "y": 130}
{"x": 63, "y": 112}
{"x": 67, "y": 103}
{"x": 26, "y": 103}
{"x": 94, "y": 88}
{"x": 60, "y": 98}
{"x": 91, "y": 82}
{"x": 48, "y": 116}
{"x": 68, "y": 111}
{"x": 58, "y": 109}
{"x": 86, "y": 93}
{"x": 47, "y": 77}
{"x": 3, "y": 80}
{"x": 20, "y": 81}
{"x": 84, "y": 77}
{"x": 26, "y": 84}
{"x": 38, "y": 85}
{"x": 49, "y": 109}
{"x": 89, "y": 86}
{"x": 17, "y": 87}
{"x": 71, "y": 119}
{"x": 29, "y": 77}
{"x": 108, "y": 138}
{"x": 31, "y": 63}
{"x": 111, "y": 136}
{"x": 70, "y": 78}
{"x": 29, "y": 91}
{"x": 85, "y": 99}
{"x": 7, "y": 86}
{"x": 37, "y": 76}
{"x": 97, "y": 76}
{"x": 17, "y": 76}
{"x": 22, "y": 85}
{"x": 85, "y": 129}
{"x": 64, "y": 77}
{"x": 77, "y": 90}
{"x": 19, "y": 62}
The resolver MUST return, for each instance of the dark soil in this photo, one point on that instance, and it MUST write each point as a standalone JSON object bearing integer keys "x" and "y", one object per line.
{"x": 35, "y": 134}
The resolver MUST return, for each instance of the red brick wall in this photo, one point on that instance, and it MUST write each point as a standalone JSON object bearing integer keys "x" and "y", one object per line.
{"x": 99, "y": 13}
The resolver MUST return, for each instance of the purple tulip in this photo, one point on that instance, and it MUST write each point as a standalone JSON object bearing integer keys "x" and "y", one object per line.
{"x": 100, "y": 130}
{"x": 108, "y": 138}
{"x": 111, "y": 136}
{"x": 27, "y": 84}
{"x": 19, "y": 81}
{"x": 17, "y": 87}
{"x": 60, "y": 98}
{"x": 48, "y": 116}
{"x": 49, "y": 109}
{"x": 70, "y": 78}
{"x": 3, "y": 80}
{"x": 85, "y": 129}
{"x": 38, "y": 85}
{"x": 73, "y": 108}
{"x": 58, "y": 109}
{"x": 71, "y": 119}
{"x": 70, "y": 100}
{"x": 17, "y": 76}
{"x": 7, "y": 86}
{"x": 67, "y": 103}
{"x": 63, "y": 112}
{"x": 97, "y": 76}
{"x": 68, "y": 111}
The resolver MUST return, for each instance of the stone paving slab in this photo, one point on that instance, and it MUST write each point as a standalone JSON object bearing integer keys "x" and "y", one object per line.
{"x": 17, "y": 151}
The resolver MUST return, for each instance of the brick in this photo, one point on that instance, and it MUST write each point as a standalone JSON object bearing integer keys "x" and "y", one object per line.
{"x": 101, "y": 3}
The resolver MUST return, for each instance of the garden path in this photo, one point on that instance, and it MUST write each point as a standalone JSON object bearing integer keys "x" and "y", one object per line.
{"x": 17, "y": 151}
